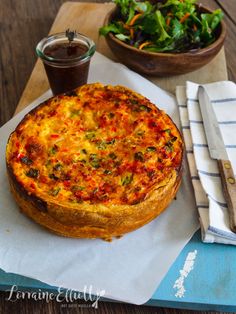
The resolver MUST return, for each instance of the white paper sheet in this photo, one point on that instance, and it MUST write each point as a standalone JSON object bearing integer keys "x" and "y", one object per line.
{"x": 129, "y": 269}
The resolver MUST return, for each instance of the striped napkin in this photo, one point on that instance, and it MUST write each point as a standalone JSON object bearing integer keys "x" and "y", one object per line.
{"x": 204, "y": 171}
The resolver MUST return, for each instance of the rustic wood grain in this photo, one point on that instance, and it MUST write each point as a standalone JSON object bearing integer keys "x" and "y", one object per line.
{"x": 22, "y": 24}
{"x": 229, "y": 9}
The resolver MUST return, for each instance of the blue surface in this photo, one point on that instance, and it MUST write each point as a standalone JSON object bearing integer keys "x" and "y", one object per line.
{"x": 211, "y": 285}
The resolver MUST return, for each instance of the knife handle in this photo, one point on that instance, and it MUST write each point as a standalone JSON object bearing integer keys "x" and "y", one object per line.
{"x": 229, "y": 189}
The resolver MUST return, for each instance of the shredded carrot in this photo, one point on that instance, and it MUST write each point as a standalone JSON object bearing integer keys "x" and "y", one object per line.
{"x": 131, "y": 30}
{"x": 168, "y": 21}
{"x": 194, "y": 27}
{"x": 146, "y": 43}
{"x": 134, "y": 19}
{"x": 126, "y": 26}
{"x": 186, "y": 15}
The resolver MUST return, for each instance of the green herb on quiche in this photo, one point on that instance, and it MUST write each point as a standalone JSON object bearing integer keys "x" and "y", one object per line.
{"x": 54, "y": 191}
{"x": 151, "y": 149}
{"x": 127, "y": 179}
{"x": 32, "y": 173}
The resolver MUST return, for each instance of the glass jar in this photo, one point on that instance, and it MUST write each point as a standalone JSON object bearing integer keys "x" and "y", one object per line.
{"x": 66, "y": 61}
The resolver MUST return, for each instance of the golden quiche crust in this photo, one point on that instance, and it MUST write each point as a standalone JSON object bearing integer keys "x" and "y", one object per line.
{"x": 96, "y": 162}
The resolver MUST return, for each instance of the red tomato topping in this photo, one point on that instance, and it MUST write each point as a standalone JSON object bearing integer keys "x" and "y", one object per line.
{"x": 19, "y": 156}
{"x": 67, "y": 183}
{"x": 55, "y": 135}
{"x": 32, "y": 185}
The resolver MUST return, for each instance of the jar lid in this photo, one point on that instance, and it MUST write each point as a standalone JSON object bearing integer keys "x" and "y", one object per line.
{"x": 61, "y": 38}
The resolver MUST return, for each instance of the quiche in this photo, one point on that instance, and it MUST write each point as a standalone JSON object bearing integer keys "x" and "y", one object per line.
{"x": 96, "y": 162}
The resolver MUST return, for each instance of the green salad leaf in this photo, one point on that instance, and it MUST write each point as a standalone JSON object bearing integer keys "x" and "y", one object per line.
{"x": 162, "y": 34}
{"x": 122, "y": 37}
{"x": 171, "y": 25}
{"x": 110, "y": 28}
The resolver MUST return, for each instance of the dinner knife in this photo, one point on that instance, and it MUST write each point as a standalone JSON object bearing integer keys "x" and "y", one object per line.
{"x": 217, "y": 151}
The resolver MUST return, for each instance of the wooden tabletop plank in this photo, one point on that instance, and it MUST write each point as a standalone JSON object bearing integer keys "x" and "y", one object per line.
{"x": 228, "y": 7}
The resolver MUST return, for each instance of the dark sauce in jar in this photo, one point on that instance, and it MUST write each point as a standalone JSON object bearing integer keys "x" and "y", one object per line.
{"x": 65, "y": 72}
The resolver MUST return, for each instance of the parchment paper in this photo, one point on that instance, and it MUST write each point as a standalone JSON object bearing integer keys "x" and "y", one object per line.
{"x": 129, "y": 269}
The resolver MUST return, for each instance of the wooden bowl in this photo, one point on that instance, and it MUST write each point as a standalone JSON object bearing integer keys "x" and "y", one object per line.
{"x": 164, "y": 64}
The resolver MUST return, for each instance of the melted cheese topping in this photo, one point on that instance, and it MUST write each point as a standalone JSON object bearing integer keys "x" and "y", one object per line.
{"x": 98, "y": 144}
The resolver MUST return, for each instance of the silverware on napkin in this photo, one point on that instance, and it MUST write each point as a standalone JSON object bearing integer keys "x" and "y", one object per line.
{"x": 217, "y": 151}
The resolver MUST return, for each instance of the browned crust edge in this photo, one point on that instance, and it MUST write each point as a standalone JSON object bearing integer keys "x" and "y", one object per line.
{"x": 78, "y": 222}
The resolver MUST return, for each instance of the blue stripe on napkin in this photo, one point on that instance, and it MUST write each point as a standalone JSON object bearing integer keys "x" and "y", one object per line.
{"x": 201, "y": 170}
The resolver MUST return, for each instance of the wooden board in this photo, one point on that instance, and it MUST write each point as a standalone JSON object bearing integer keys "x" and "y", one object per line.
{"x": 86, "y": 18}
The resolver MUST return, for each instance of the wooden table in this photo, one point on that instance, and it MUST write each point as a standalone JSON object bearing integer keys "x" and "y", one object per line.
{"x": 23, "y": 23}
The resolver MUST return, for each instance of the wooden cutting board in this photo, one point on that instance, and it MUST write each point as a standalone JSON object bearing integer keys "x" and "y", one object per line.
{"x": 86, "y": 18}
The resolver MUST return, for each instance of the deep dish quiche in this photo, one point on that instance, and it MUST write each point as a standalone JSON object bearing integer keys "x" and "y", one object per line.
{"x": 95, "y": 163}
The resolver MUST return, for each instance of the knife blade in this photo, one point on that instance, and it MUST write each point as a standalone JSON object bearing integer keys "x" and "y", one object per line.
{"x": 218, "y": 151}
